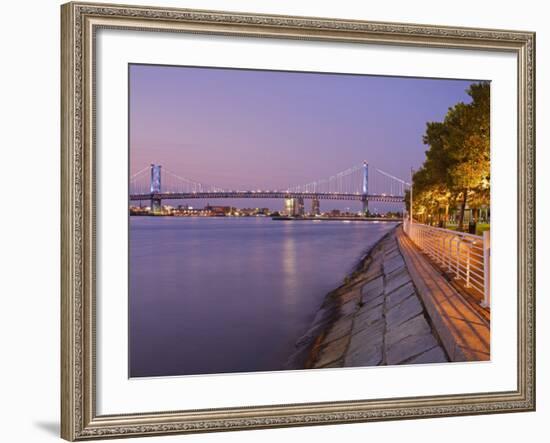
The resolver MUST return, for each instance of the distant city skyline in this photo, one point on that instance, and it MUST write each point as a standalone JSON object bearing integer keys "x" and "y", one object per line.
{"x": 272, "y": 129}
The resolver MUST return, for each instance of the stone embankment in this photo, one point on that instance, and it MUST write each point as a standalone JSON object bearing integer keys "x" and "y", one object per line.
{"x": 375, "y": 318}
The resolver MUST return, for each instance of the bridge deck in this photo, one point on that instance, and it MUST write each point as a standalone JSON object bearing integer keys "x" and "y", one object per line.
{"x": 268, "y": 194}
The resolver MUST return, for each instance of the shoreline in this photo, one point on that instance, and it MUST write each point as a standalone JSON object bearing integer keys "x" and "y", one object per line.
{"x": 379, "y": 317}
{"x": 361, "y": 219}
{"x": 330, "y": 311}
{"x": 280, "y": 218}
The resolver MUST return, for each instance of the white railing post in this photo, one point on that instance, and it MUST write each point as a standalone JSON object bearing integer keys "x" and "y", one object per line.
{"x": 467, "y": 256}
{"x": 486, "y": 269}
{"x": 468, "y": 267}
{"x": 457, "y": 276}
{"x": 450, "y": 254}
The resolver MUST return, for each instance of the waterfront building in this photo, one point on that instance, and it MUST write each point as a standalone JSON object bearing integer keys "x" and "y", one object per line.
{"x": 218, "y": 210}
{"x": 289, "y": 206}
{"x": 294, "y": 207}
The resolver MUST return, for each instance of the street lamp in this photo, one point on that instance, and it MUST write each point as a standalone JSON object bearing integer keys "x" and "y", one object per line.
{"x": 411, "y": 198}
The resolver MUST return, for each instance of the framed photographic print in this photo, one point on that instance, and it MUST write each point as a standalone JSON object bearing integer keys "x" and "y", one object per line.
{"x": 281, "y": 221}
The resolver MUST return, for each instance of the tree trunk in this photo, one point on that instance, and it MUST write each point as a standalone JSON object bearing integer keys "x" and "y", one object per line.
{"x": 462, "y": 209}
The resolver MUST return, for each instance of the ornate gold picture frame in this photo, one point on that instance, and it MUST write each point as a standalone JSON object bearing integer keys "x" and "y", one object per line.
{"x": 80, "y": 22}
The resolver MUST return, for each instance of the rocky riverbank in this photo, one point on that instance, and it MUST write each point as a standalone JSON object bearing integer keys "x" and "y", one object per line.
{"x": 375, "y": 317}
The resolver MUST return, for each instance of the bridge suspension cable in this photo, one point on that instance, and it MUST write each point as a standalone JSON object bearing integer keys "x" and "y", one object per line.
{"x": 383, "y": 183}
{"x": 177, "y": 183}
{"x": 349, "y": 181}
{"x": 134, "y": 176}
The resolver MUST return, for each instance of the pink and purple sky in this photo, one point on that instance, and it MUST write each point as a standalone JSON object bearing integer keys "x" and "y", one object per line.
{"x": 250, "y": 129}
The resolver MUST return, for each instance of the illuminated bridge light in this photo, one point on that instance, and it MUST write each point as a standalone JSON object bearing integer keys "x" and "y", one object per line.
{"x": 351, "y": 184}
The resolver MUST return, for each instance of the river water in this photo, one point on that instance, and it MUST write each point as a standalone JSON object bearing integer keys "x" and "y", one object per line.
{"x": 217, "y": 295}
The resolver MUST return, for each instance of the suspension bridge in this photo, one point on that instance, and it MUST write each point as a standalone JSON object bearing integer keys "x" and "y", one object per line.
{"x": 361, "y": 182}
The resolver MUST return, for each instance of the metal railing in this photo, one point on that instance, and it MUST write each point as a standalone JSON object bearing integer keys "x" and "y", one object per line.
{"x": 466, "y": 257}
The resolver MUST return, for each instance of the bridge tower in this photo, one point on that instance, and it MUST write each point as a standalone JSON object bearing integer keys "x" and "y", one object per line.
{"x": 365, "y": 188}
{"x": 156, "y": 203}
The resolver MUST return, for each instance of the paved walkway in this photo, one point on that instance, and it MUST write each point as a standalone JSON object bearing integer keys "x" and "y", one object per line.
{"x": 381, "y": 318}
{"x": 462, "y": 329}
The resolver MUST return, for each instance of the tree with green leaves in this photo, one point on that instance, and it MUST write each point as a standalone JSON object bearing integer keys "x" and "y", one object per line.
{"x": 456, "y": 170}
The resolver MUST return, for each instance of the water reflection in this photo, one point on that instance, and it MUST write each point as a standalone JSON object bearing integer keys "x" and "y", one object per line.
{"x": 288, "y": 259}
{"x": 231, "y": 295}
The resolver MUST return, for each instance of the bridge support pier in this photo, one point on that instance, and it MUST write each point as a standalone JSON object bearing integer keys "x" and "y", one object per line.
{"x": 365, "y": 206}
{"x": 156, "y": 205}
{"x": 315, "y": 207}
